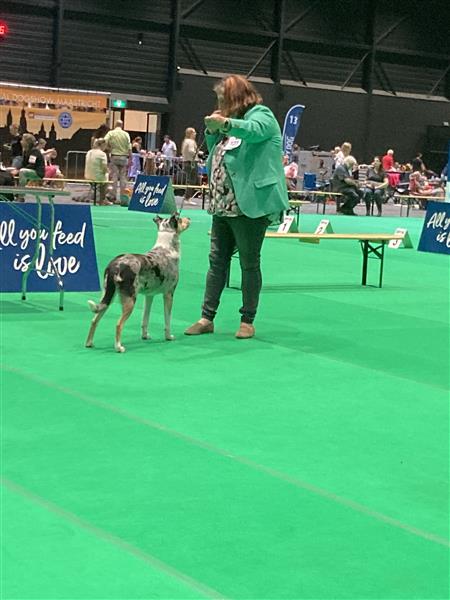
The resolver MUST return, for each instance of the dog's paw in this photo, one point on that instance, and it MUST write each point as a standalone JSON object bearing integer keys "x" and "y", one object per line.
{"x": 119, "y": 348}
{"x": 170, "y": 338}
{"x": 145, "y": 336}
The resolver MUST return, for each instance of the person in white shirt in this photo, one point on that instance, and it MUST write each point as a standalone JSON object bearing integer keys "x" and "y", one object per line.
{"x": 169, "y": 148}
{"x": 96, "y": 168}
{"x": 169, "y": 151}
{"x": 189, "y": 155}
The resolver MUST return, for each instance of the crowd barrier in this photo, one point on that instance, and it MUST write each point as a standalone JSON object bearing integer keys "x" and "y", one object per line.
{"x": 182, "y": 172}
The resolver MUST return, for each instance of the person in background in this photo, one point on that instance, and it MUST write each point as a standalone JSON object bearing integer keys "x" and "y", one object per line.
{"x": 47, "y": 154}
{"x": 96, "y": 168}
{"x": 100, "y": 133}
{"x": 388, "y": 160}
{"x": 169, "y": 148}
{"x": 189, "y": 155}
{"x": 342, "y": 154}
{"x": 149, "y": 163}
{"x": 290, "y": 172}
{"x": 375, "y": 186}
{"x": 32, "y": 160}
{"x": 169, "y": 151}
{"x": 6, "y": 179}
{"x": 119, "y": 145}
{"x": 344, "y": 183}
{"x": 136, "y": 145}
{"x": 427, "y": 172}
{"x": 247, "y": 191}
{"x": 295, "y": 154}
{"x": 136, "y": 148}
{"x": 16, "y": 147}
{"x": 419, "y": 185}
{"x": 52, "y": 171}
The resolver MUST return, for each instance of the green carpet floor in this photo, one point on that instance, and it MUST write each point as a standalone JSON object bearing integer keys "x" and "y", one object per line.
{"x": 308, "y": 463}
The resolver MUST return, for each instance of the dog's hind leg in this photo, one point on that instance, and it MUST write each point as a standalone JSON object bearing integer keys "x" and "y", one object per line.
{"x": 94, "y": 323}
{"x": 128, "y": 303}
{"x": 168, "y": 301}
{"x": 145, "y": 317}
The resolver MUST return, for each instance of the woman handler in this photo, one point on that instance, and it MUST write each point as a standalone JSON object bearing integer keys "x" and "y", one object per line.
{"x": 247, "y": 191}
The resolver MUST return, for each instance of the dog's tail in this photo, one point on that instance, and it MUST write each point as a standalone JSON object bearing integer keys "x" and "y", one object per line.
{"x": 108, "y": 294}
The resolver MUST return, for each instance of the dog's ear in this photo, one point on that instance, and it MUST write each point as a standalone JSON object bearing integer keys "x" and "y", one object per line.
{"x": 157, "y": 219}
{"x": 174, "y": 219}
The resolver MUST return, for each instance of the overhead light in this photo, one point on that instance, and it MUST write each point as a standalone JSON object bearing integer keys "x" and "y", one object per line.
{"x": 140, "y": 39}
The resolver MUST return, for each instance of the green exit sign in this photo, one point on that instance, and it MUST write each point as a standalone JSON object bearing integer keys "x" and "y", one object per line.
{"x": 117, "y": 103}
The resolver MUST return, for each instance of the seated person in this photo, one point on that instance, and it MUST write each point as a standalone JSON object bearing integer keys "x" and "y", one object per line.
{"x": 290, "y": 172}
{"x": 344, "y": 183}
{"x": 419, "y": 185}
{"x": 6, "y": 179}
{"x": 32, "y": 160}
{"x": 150, "y": 164}
{"x": 52, "y": 171}
{"x": 375, "y": 186}
{"x": 96, "y": 168}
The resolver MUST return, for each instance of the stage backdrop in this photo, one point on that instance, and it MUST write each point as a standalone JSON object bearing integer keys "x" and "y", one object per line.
{"x": 65, "y": 119}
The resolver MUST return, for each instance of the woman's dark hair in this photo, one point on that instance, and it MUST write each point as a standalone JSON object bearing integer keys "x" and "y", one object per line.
{"x": 236, "y": 96}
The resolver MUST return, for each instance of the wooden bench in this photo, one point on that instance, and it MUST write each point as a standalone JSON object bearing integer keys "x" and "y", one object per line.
{"x": 320, "y": 194}
{"x": 372, "y": 244}
{"x": 38, "y": 183}
{"x": 411, "y": 198}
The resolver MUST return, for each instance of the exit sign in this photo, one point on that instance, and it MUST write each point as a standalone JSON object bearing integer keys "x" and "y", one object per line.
{"x": 3, "y": 29}
{"x": 117, "y": 103}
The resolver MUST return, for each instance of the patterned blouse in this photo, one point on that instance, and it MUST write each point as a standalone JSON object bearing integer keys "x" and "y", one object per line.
{"x": 223, "y": 202}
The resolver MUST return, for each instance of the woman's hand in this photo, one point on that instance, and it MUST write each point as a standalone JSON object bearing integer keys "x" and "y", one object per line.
{"x": 215, "y": 121}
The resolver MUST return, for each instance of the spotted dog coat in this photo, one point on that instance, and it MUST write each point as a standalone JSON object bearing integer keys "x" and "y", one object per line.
{"x": 149, "y": 274}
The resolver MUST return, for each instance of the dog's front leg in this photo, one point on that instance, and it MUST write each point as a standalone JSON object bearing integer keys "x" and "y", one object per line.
{"x": 168, "y": 301}
{"x": 145, "y": 317}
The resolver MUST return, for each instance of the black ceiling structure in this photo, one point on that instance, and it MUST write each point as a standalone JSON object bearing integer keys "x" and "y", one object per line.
{"x": 365, "y": 68}
{"x": 370, "y": 44}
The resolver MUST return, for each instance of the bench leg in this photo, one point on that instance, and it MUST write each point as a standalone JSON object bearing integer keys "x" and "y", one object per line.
{"x": 372, "y": 251}
{"x": 365, "y": 250}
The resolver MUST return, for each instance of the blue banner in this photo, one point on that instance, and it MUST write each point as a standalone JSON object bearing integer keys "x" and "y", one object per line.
{"x": 153, "y": 194}
{"x": 290, "y": 128}
{"x": 436, "y": 228}
{"x": 72, "y": 242}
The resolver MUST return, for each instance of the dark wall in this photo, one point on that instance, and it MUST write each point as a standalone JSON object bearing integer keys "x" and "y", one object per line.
{"x": 325, "y": 42}
{"x": 330, "y": 117}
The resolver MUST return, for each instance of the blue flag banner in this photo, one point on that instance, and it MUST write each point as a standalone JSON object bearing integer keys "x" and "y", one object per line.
{"x": 72, "y": 242}
{"x": 153, "y": 194}
{"x": 290, "y": 128}
{"x": 436, "y": 228}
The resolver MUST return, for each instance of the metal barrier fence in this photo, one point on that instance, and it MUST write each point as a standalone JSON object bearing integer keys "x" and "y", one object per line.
{"x": 182, "y": 172}
{"x": 75, "y": 162}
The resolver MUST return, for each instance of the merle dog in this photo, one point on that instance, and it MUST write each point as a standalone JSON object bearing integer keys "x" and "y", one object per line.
{"x": 149, "y": 274}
